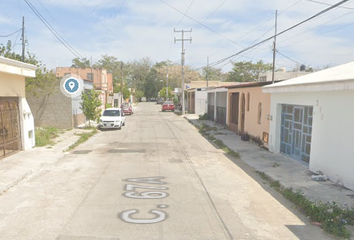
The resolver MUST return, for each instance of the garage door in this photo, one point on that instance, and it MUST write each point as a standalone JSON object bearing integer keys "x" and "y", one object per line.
{"x": 296, "y": 129}
{"x": 10, "y": 137}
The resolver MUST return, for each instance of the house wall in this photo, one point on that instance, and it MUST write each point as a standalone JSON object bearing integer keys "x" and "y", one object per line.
{"x": 12, "y": 85}
{"x": 256, "y": 96}
{"x": 102, "y": 80}
{"x": 332, "y": 132}
{"x": 201, "y": 102}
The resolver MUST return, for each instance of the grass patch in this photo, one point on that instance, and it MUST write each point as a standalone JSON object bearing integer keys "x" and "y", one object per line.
{"x": 45, "y": 136}
{"x": 83, "y": 138}
{"x": 204, "y": 117}
{"x": 332, "y": 218}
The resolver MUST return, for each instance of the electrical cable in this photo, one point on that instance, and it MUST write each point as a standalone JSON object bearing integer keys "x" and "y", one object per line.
{"x": 329, "y": 4}
{"x": 8, "y": 35}
{"x": 200, "y": 23}
{"x": 190, "y": 4}
{"x": 214, "y": 11}
{"x": 314, "y": 28}
{"x": 280, "y": 33}
{"x": 258, "y": 26}
{"x": 55, "y": 33}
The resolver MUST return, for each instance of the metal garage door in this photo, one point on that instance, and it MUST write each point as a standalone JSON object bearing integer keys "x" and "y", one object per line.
{"x": 296, "y": 129}
{"x": 10, "y": 137}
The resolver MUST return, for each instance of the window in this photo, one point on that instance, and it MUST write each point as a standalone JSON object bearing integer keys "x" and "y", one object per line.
{"x": 90, "y": 76}
{"x": 248, "y": 102}
{"x": 259, "y": 113}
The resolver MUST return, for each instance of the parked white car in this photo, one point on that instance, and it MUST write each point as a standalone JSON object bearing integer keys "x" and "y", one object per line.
{"x": 112, "y": 118}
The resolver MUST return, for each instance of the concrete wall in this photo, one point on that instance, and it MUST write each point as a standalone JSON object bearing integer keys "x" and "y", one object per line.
{"x": 332, "y": 131}
{"x": 256, "y": 96}
{"x": 54, "y": 110}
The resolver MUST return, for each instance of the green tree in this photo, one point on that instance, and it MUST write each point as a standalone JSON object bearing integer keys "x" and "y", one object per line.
{"x": 90, "y": 104}
{"x": 163, "y": 93}
{"x": 247, "y": 71}
{"x": 212, "y": 74}
{"x": 81, "y": 63}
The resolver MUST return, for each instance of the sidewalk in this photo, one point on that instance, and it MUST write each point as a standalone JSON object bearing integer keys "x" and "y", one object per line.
{"x": 15, "y": 168}
{"x": 289, "y": 172}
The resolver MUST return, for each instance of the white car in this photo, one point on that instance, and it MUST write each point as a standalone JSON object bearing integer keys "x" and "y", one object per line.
{"x": 112, "y": 118}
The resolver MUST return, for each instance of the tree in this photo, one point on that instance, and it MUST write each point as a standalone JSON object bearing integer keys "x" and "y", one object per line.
{"x": 90, "y": 104}
{"x": 81, "y": 63}
{"x": 247, "y": 71}
{"x": 162, "y": 93}
{"x": 212, "y": 74}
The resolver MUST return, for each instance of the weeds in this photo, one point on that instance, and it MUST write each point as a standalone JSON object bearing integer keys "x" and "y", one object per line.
{"x": 45, "y": 136}
{"x": 83, "y": 138}
{"x": 332, "y": 218}
{"x": 204, "y": 117}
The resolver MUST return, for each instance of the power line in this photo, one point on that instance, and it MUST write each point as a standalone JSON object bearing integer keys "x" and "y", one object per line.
{"x": 329, "y": 4}
{"x": 200, "y": 23}
{"x": 97, "y": 19}
{"x": 288, "y": 58}
{"x": 55, "y": 33}
{"x": 214, "y": 11}
{"x": 315, "y": 28}
{"x": 190, "y": 4}
{"x": 260, "y": 26}
{"x": 282, "y": 32}
{"x": 8, "y": 35}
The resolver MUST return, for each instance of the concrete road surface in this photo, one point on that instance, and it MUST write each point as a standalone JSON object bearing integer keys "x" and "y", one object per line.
{"x": 156, "y": 179}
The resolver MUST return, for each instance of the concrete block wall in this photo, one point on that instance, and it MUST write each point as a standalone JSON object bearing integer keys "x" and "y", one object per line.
{"x": 54, "y": 110}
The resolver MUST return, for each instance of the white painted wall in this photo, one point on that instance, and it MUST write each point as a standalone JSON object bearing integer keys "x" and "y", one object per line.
{"x": 332, "y": 148}
{"x": 27, "y": 125}
{"x": 201, "y": 102}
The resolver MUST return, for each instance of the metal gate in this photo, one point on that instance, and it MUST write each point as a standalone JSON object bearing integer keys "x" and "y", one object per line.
{"x": 296, "y": 129}
{"x": 10, "y": 134}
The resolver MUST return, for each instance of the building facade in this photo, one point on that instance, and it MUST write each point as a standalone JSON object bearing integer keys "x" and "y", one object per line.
{"x": 312, "y": 121}
{"x": 248, "y": 111}
{"x": 16, "y": 120}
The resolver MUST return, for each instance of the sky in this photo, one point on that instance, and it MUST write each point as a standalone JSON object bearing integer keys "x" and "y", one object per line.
{"x": 133, "y": 29}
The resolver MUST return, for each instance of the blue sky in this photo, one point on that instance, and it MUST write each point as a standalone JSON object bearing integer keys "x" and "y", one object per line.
{"x": 133, "y": 29}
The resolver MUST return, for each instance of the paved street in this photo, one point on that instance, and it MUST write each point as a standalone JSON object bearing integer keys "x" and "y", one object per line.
{"x": 155, "y": 179}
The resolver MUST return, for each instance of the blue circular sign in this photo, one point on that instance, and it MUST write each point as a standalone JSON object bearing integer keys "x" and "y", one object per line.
{"x": 71, "y": 85}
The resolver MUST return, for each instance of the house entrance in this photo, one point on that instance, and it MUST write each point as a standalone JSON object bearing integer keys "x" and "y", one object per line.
{"x": 296, "y": 130}
{"x": 10, "y": 135}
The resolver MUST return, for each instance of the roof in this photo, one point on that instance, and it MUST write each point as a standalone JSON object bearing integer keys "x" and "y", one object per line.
{"x": 249, "y": 84}
{"x": 202, "y": 84}
{"x": 11, "y": 66}
{"x": 336, "y": 78}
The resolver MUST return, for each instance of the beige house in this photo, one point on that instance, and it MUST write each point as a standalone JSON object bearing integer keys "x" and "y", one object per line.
{"x": 16, "y": 120}
{"x": 248, "y": 111}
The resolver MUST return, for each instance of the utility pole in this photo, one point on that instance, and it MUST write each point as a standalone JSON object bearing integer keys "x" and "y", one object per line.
{"x": 167, "y": 82}
{"x": 274, "y": 45}
{"x": 183, "y": 61}
{"x": 121, "y": 84}
{"x": 207, "y": 73}
{"x": 23, "y": 40}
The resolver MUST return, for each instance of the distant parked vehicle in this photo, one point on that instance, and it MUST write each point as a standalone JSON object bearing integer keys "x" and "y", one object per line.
{"x": 159, "y": 101}
{"x": 127, "y": 108}
{"x": 168, "y": 106}
{"x": 112, "y": 118}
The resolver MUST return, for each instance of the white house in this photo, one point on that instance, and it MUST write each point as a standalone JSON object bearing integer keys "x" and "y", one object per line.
{"x": 312, "y": 120}
{"x": 217, "y": 104}
{"x": 16, "y": 120}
